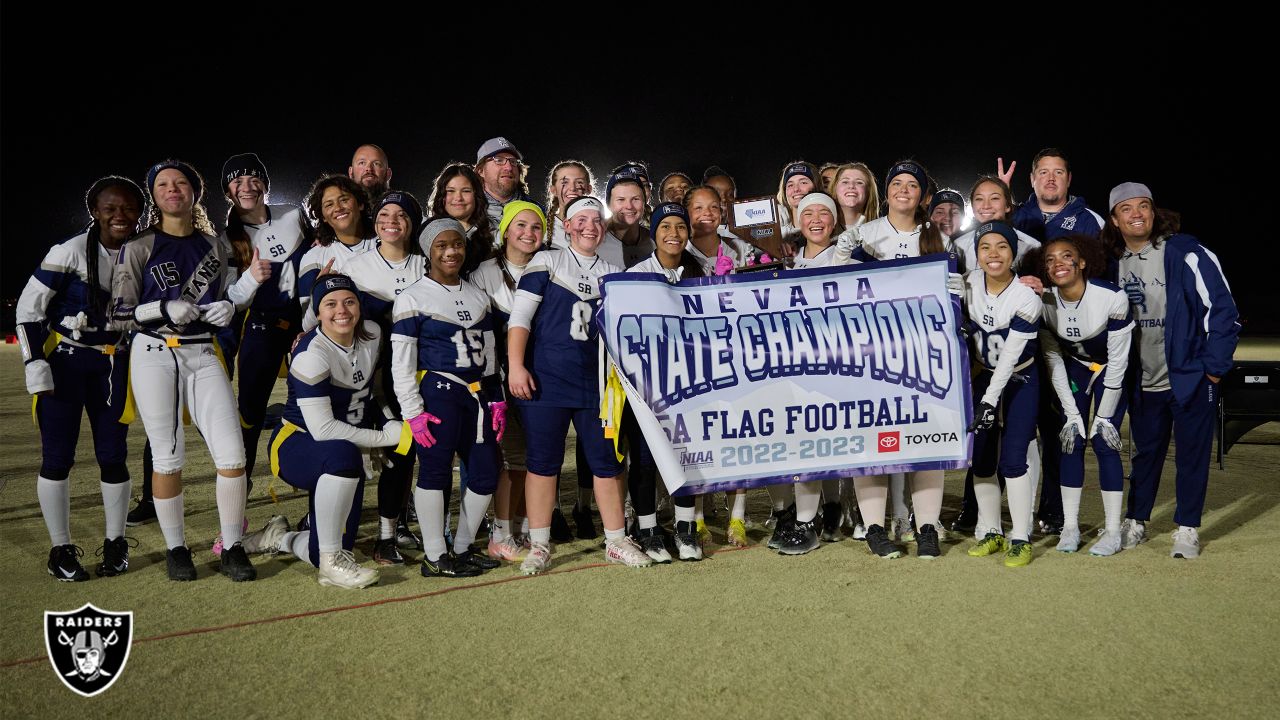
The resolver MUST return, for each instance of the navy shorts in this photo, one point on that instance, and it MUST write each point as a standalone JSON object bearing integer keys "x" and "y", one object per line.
{"x": 459, "y": 414}
{"x": 545, "y": 429}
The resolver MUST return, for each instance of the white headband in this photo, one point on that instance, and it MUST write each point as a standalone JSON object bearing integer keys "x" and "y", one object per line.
{"x": 586, "y": 202}
{"x": 816, "y": 198}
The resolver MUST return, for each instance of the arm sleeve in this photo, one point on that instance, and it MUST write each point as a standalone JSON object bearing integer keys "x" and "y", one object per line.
{"x": 309, "y": 377}
{"x": 1024, "y": 326}
{"x": 1119, "y": 338}
{"x": 126, "y": 286}
{"x": 1221, "y": 318}
{"x": 533, "y": 285}
{"x": 404, "y": 357}
{"x": 1057, "y": 370}
{"x": 31, "y": 314}
{"x": 242, "y": 291}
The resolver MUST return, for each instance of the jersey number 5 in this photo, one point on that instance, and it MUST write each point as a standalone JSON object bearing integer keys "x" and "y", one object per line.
{"x": 355, "y": 411}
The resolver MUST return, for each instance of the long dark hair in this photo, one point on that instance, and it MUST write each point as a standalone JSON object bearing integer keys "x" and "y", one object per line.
{"x": 315, "y": 199}
{"x": 480, "y": 236}
{"x": 93, "y": 235}
{"x": 1166, "y": 223}
{"x": 930, "y": 235}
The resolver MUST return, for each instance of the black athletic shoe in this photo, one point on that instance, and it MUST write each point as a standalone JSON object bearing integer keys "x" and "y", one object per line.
{"x": 405, "y": 537}
{"x": 560, "y": 531}
{"x": 141, "y": 514}
{"x": 800, "y": 539}
{"x": 927, "y": 543}
{"x": 879, "y": 543}
{"x": 831, "y": 522}
{"x": 448, "y": 566}
{"x": 966, "y": 521}
{"x": 653, "y": 543}
{"x": 178, "y": 562}
{"x": 64, "y": 563}
{"x": 387, "y": 552}
{"x": 235, "y": 564}
{"x": 115, "y": 557}
{"x": 784, "y": 520}
{"x": 471, "y": 557}
{"x": 304, "y": 523}
{"x": 586, "y": 526}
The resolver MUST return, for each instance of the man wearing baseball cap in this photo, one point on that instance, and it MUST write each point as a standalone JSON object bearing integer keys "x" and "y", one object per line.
{"x": 501, "y": 166}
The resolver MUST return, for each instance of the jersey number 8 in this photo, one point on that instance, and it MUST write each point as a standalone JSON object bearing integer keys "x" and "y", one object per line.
{"x": 580, "y": 323}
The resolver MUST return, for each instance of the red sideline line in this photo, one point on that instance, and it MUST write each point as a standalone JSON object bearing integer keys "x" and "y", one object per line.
{"x": 344, "y": 608}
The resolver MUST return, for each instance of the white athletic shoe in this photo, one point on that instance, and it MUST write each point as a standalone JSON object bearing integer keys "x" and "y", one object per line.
{"x": 1107, "y": 545}
{"x": 1069, "y": 540}
{"x": 859, "y": 532}
{"x": 340, "y": 569}
{"x": 266, "y": 540}
{"x": 537, "y": 560}
{"x": 1133, "y": 533}
{"x": 625, "y": 551}
{"x": 1186, "y": 543}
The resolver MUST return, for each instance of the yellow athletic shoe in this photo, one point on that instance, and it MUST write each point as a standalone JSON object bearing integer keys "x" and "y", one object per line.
{"x": 1019, "y": 554}
{"x": 704, "y": 535}
{"x": 736, "y": 534}
{"x": 989, "y": 545}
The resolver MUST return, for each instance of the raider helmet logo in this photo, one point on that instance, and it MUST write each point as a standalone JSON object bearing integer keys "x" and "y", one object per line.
{"x": 88, "y": 647}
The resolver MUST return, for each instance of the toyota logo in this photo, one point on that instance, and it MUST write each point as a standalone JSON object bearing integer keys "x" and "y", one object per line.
{"x": 888, "y": 441}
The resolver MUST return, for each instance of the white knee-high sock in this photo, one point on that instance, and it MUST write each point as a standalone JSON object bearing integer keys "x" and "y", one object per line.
{"x": 872, "y": 492}
{"x": 1033, "y": 474}
{"x": 898, "y": 492}
{"x": 232, "y": 493}
{"x": 115, "y": 507}
{"x": 926, "y": 496}
{"x": 987, "y": 492}
{"x": 333, "y": 497}
{"x": 55, "y": 505}
{"x": 685, "y": 514}
{"x": 471, "y": 511}
{"x": 647, "y": 521}
{"x": 781, "y": 495}
{"x": 1070, "y": 506}
{"x": 738, "y": 508}
{"x": 430, "y": 506}
{"x": 1112, "y": 507}
{"x": 169, "y": 512}
{"x": 1019, "y": 491}
{"x": 808, "y": 498}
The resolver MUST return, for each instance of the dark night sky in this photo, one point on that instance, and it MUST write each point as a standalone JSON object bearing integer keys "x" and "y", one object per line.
{"x": 71, "y": 115}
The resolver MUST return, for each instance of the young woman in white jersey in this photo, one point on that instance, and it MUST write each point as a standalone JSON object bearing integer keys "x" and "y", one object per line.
{"x": 798, "y": 179}
{"x": 380, "y": 275}
{"x": 339, "y": 209}
{"x": 1003, "y": 322}
{"x": 447, "y": 382}
{"x": 904, "y": 232}
{"x": 522, "y": 229}
{"x": 1087, "y": 335}
{"x": 669, "y": 226}
{"x": 553, "y": 353}
{"x": 856, "y": 194}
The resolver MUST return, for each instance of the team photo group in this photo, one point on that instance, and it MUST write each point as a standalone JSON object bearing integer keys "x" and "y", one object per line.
{"x": 462, "y": 334}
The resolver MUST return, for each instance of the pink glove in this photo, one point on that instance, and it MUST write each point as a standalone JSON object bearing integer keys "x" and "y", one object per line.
{"x": 499, "y": 410}
{"x": 724, "y": 264}
{"x": 420, "y": 426}
{"x": 764, "y": 258}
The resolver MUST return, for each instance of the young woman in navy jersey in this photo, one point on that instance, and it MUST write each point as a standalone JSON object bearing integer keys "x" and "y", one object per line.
{"x": 380, "y": 275}
{"x": 669, "y": 231}
{"x": 74, "y": 364}
{"x": 553, "y": 351}
{"x": 446, "y": 380}
{"x": 459, "y": 194}
{"x": 270, "y": 241}
{"x": 1086, "y": 338}
{"x": 522, "y": 229}
{"x": 331, "y": 419}
{"x": 170, "y": 286}
{"x": 1002, "y": 326}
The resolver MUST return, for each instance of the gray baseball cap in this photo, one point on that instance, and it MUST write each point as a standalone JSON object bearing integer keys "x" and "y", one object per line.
{"x": 1128, "y": 191}
{"x": 493, "y": 146}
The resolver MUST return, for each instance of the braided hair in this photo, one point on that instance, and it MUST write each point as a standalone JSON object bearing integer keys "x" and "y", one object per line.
{"x": 94, "y": 231}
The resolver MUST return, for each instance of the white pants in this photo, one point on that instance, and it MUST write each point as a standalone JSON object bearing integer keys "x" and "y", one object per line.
{"x": 164, "y": 381}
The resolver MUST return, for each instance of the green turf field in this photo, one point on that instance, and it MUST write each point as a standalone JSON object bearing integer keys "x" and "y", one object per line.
{"x": 744, "y": 634}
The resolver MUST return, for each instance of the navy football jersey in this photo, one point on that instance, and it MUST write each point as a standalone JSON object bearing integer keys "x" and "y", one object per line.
{"x": 156, "y": 266}
{"x": 321, "y": 368}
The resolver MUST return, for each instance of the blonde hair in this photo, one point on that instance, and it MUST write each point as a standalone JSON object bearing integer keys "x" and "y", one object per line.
{"x": 553, "y": 205}
{"x": 871, "y": 209}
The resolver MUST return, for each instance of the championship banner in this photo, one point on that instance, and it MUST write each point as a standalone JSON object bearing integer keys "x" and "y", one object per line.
{"x": 752, "y": 379}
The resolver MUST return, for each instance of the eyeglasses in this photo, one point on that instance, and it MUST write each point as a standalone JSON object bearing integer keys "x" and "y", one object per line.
{"x": 503, "y": 160}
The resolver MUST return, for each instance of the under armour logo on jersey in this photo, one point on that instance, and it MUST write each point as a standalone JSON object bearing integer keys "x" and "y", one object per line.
{"x": 258, "y": 326}
{"x": 1069, "y": 223}
{"x": 66, "y": 349}
{"x": 157, "y": 348}
{"x": 442, "y": 385}
{"x": 400, "y": 280}
{"x": 459, "y": 302}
